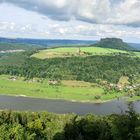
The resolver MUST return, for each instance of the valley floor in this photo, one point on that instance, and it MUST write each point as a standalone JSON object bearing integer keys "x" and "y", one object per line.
{"x": 68, "y": 90}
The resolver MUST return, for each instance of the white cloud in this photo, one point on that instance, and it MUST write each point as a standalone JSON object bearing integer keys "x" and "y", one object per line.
{"x": 27, "y": 27}
{"x": 7, "y": 25}
{"x": 19, "y": 22}
{"x": 125, "y": 12}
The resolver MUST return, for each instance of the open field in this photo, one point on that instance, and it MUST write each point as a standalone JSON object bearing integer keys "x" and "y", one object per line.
{"x": 74, "y": 51}
{"x": 124, "y": 80}
{"x": 80, "y": 91}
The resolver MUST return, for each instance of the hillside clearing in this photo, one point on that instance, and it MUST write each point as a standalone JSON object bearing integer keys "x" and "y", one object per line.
{"x": 74, "y": 51}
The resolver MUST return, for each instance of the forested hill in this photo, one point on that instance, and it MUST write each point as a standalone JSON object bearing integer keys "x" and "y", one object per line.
{"x": 26, "y": 44}
{"x": 113, "y": 43}
{"x": 4, "y": 46}
{"x": 135, "y": 46}
{"x": 47, "y": 42}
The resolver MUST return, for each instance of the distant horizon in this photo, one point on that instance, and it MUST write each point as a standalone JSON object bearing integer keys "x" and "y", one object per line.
{"x": 37, "y": 38}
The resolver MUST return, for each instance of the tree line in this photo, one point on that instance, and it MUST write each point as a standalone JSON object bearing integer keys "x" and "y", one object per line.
{"x": 90, "y": 69}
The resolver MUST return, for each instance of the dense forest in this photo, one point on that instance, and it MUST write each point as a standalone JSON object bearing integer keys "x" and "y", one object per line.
{"x": 90, "y": 69}
{"x": 49, "y": 126}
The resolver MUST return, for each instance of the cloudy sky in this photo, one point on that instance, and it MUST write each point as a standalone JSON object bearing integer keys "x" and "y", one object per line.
{"x": 70, "y": 19}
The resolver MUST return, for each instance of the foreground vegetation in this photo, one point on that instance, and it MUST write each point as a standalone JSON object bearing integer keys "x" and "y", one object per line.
{"x": 48, "y": 126}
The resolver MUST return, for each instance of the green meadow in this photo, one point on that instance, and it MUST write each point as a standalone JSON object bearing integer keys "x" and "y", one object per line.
{"x": 67, "y": 90}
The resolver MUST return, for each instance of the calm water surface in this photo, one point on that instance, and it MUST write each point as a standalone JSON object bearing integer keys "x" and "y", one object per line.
{"x": 61, "y": 106}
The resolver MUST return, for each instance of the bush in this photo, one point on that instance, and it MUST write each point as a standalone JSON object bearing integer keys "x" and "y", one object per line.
{"x": 97, "y": 97}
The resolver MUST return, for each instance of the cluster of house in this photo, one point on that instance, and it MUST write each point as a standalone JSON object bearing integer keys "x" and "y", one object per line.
{"x": 122, "y": 87}
{"x": 13, "y": 78}
{"x": 110, "y": 86}
{"x": 53, "y": 82}
{"x": 50, "y": 82}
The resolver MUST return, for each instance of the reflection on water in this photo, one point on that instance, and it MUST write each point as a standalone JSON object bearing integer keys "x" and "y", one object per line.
{"x": 61, "y": 106}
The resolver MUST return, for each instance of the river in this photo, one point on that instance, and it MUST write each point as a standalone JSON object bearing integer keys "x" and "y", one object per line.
{"x": 61, "y": 106}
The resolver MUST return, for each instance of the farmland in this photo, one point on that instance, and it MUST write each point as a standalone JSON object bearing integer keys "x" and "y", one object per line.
{"x": 75, "y": 51}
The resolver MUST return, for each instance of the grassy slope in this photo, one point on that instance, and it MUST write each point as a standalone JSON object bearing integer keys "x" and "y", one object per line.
{"x": 82, "y": 91}
{"x": 65, "y": 52}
